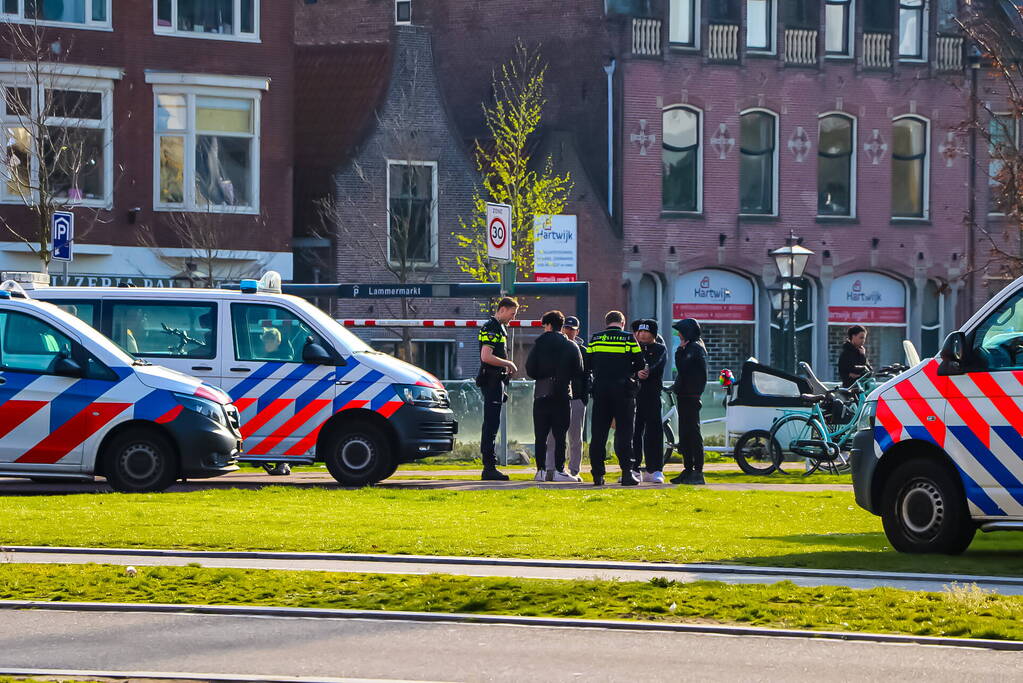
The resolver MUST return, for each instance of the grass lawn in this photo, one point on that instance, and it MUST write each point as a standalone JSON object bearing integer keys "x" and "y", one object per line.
{"x": 677, "y": 524}
{"x": 711, "y": 477}
{"x": 958, "y": 612}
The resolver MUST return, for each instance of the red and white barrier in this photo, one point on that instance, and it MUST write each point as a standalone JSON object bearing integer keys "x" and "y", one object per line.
{"x": 382, "y": 322}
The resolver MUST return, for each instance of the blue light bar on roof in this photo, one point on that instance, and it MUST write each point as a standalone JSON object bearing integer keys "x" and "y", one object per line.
{"x": 249, "y": 286}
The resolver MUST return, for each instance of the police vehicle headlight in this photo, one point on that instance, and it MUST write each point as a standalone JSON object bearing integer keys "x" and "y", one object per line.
{"x": 866, "y": 420}
{"x": 204, "y": 407}
{"x": 426, "y": 397}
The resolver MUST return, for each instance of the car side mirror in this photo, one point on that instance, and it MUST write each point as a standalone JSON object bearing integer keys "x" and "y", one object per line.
{"x": 953, "y": 352}
{"x": 65, "y": 367}
{"x": 315, "y": 353}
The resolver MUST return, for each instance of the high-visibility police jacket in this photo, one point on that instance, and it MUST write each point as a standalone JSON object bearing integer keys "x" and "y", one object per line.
{"x": 613, "y": 356}
{"x": 494, "y": 335}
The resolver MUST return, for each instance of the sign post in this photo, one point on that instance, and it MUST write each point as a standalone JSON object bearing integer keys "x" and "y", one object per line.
{"x": 62, "y": 236}
{"x": 499, "y": 249}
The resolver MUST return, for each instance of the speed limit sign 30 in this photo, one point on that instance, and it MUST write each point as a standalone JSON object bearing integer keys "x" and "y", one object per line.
{"x": 499, "y": 241}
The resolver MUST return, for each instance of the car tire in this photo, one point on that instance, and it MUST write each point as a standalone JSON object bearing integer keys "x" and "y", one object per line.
{"x": 140, "y": 461}
{"x": 923, "y": 509}
{"x": 358, "y": 454}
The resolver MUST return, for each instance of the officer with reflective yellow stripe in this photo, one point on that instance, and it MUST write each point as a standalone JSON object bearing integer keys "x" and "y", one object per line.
{"x": 495, "y": 371}
{"x": 614, "y": 358}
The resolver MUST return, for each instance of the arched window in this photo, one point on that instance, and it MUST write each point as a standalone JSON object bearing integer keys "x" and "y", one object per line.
{"x": 835, "y": 160}
{"x": 680, "y": 176}
{"x": 909, "y": 168}
{"x": 759, "y": 162}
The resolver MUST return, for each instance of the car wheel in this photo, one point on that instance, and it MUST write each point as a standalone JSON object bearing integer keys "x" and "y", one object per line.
{"x": 140, "y": 461}
{"x": 358, "y": 454}
{"x": 924, "y": 510}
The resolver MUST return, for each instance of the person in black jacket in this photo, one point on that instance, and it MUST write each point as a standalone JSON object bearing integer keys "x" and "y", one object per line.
{"x": 648, "y": 437}
{"x": 852, "y": 363}
{"x": 553, "y": 362}
{"x": 691, "y": 380}
{"x": 494, "y": 373}
{"x": 580, "y": 397}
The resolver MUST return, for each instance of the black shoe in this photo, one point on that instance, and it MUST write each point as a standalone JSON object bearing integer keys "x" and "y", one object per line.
{"x": 682, "y": 478}
{"x": 598, "y": 479}
{"x": 493, "y": 475}
{"x": 696, "y": 479}
{"x": 628, "y": 479}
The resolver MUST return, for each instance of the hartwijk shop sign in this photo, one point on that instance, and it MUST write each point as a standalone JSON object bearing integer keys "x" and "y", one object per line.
{"x": 714, "y": 295}
{"x": 555, "y": 254}
{"x": 867, "y": 299}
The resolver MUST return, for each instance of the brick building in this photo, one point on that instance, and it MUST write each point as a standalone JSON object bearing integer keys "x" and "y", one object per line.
{"x": 189, "y": 112}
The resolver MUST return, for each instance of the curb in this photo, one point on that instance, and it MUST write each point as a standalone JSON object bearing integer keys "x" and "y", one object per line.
{"x": 696, "y": 568}
{"x": 189, "y": 676}
{"x": 489, "y": 619}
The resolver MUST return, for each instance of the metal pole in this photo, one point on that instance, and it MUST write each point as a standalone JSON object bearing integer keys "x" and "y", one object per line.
{"x": 503, "y": 457}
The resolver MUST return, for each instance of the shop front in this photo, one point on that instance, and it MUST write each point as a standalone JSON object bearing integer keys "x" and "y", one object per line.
{"x": 725, "y": 305}
{"x": 878, "y": 303}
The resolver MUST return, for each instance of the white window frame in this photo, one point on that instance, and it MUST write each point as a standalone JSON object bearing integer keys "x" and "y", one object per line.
{"x": 172, "y": 30}
{"x": 927, "y": 167}
{"x": 991, "y": 181}
{"x": 925, "y": 32}
{"x": 190, "y": 90}
{"x": 852, "y": 161}
{"x": 397, "y": 21}
{"x": 699, "y": 153}
{"x": 776, "y": 162}
{"x": 434, "y": 214}
{"x": 84, "y": 79}
{"x": 19, "y": 17}
{"x": 697, "y": 5}
{"x": 772, "y": 30}
{"x": 850, "y": 32}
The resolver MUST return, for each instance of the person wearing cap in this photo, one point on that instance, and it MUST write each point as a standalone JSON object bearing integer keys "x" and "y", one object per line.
{"x": 580, "y": 397}
{"x": 690, "y": 381}
{"x": 614, "y": 358}
{"x": 648, "y": 436}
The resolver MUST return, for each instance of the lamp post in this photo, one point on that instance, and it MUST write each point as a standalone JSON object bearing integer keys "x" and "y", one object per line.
{"x": 790, "y": 261}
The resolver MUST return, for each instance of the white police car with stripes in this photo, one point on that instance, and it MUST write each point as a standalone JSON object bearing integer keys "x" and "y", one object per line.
{"x": 307, "y": 389}
{"x": 940, "y": 450}
{"x": 73, "y": 405}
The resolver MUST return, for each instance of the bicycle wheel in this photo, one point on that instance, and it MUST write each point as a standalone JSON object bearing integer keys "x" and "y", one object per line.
{"x": 802, "y": 436}
{"x": 757, "y": 453}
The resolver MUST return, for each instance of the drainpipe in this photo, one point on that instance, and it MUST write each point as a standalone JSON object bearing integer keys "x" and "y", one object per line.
{"x": 610, "y": 70}
{"x": 972, "y": 208}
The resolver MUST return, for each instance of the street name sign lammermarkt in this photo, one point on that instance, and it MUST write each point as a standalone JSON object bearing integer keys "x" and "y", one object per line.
{"x": 387, "y": 291}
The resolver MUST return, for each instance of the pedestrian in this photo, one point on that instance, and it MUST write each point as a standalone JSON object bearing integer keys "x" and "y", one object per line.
{"x": 580, "y": 397}
{"x": 690, "y": 381}
{"x": 494, "y": 374}
{"x": 614, "y": 357}
{"x": 852, "y": 363}
{"x": 553, "y": 362}
{"x": 648, "y": 436}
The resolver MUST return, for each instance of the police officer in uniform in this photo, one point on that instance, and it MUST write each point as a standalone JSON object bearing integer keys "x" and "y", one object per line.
{"x": 614, "y": 358}
{"x": 648, "y": 438}
{"x": 495, "y": 372}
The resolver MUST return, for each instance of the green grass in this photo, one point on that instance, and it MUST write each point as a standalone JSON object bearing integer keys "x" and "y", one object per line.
{"x": 710, "y": 476}
{"x": 958, "y": 612}
{"x": 679, "y": 524}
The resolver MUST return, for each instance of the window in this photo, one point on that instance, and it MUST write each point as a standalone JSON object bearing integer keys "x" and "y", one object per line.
{"x": 1003, "y": 146}
{"x": 270, "y": 333}
{"x": 758, "y": 163}
{"x": 219, "y": 19}
{"x": 412, "y": 212}
{"x": 80, "y": 13}
{"x": 998, "y": 342}
{"x": 760, "y": 25}
{"x": 207, "y": 151}
{"x": 682, "y": 22}
{"x": 76, "y": 140}
{"x": 948, "y": 12}
{"x": 31, "y": 345}
{"x": 931, "y": 319}
{"x": 838, "y": 15}
{"x": 835, "y": 159}
{"x": 802, "y": 14}
{"x": 164, "y": 330}
{"x": 83, "y": 310}
{"x": 911, "y": 29}
{"x": 403, "y": 11}
{"x": 909, "y": 168}
{"x": 724, "y": 11}
{"x": 436, "y": 356}
{"x": 878, "y": 16}
{"x": 680, "y": 179}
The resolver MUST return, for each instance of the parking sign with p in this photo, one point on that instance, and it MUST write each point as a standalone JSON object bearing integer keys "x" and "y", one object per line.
{"x": 62, "y": 235}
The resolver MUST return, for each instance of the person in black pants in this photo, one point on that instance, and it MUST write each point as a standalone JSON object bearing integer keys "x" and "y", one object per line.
{"x": 614, "y": 358}
{"x": 691, "y": 380}
{"x": 495, "y": 371}
{"x": 553, "y": 362}
{"x": 648, "y": 436}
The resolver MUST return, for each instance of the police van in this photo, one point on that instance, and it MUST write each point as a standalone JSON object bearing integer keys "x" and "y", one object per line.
{"x": 73, "y": 405}
{"x": 939, "y": 453}
{"x": 308, "y": 390}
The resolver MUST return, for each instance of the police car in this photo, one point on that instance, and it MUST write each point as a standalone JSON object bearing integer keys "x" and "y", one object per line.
{"x": 307, "y": 389}
{"x": 940, "y": 450}
{"x": 73, "y": 405}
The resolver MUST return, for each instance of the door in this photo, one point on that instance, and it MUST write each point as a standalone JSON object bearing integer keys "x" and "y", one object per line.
{"x": 180, "y": 335}
{"x": 282, "y": 400}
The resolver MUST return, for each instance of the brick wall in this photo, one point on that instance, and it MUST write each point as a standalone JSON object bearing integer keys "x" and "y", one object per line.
{"x": 728, "y": 346}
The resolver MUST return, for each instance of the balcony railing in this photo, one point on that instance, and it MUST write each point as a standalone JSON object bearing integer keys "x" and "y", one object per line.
{"x": 723, "y": 42}
{"x": 877, "y": 50}
{"x": 949, "y": 53}
{"x": 646, "y": 37}
{"x": 800, "y": 46}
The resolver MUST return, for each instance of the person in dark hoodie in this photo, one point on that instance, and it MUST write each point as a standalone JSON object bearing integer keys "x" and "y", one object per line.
{"x": 852, "y": 363}
{"x": 554, "y": 361}
{"x": 690, "y": 381}
{"x": 648, "y": 436}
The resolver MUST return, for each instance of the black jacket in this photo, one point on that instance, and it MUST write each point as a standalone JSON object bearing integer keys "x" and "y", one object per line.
{"x": 655, "y": 356}
{"x": 555, "y": 357}
{"x": 581, "y": 381}
{"x": 691, "y": 364}
{"x": 852, "y": 360}
{"x": 613, "y": 356}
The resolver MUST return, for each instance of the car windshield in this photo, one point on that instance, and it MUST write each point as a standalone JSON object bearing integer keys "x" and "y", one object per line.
{"x": 352, "y": 343}
{"x": 92, "y": 334}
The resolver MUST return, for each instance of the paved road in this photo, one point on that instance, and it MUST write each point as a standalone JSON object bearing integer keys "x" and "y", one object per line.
{"x": 461, "y": 652}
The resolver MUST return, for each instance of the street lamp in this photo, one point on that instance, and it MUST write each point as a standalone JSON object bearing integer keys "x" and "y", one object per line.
{"x": 790, "y": 261}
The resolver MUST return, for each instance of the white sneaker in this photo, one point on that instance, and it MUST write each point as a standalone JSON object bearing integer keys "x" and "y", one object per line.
{"x": 541, "y": 475}
{"x": 657, "y": 477}
{"x": 576, "y": 476}
{"x": 637, "y": 475}
{"x": 561, "y": 476}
